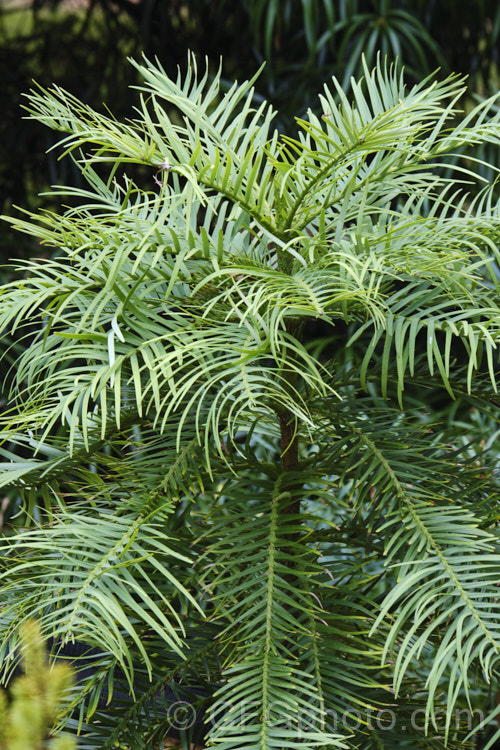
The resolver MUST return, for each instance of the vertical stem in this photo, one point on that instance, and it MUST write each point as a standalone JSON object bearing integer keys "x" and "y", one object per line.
{"x": 289, "y": 439}
{"x": 289, "y": 444}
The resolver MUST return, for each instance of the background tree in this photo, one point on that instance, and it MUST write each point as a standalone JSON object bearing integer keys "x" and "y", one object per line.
{"x": 223, "y": 504}
{"x": 37, "y": 696}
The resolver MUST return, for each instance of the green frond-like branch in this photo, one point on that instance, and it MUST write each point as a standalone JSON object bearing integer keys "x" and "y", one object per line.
{"x": 81, "y": 570}
{"x": 264, "y": 607}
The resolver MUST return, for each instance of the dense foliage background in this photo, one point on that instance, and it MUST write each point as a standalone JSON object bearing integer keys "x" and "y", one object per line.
{"x": 82, "y": 46}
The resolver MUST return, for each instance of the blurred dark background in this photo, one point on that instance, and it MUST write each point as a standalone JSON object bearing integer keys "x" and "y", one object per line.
{"x": 82, "y": 45}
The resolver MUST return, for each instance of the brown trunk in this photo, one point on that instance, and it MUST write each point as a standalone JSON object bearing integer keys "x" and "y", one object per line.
{"x": 290, "y": 463}
{"x": 290, "y": 457}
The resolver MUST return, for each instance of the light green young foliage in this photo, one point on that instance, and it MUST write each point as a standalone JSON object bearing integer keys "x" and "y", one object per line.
{"x": 36, "y": 699}
{"x": 220, "y": 496}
